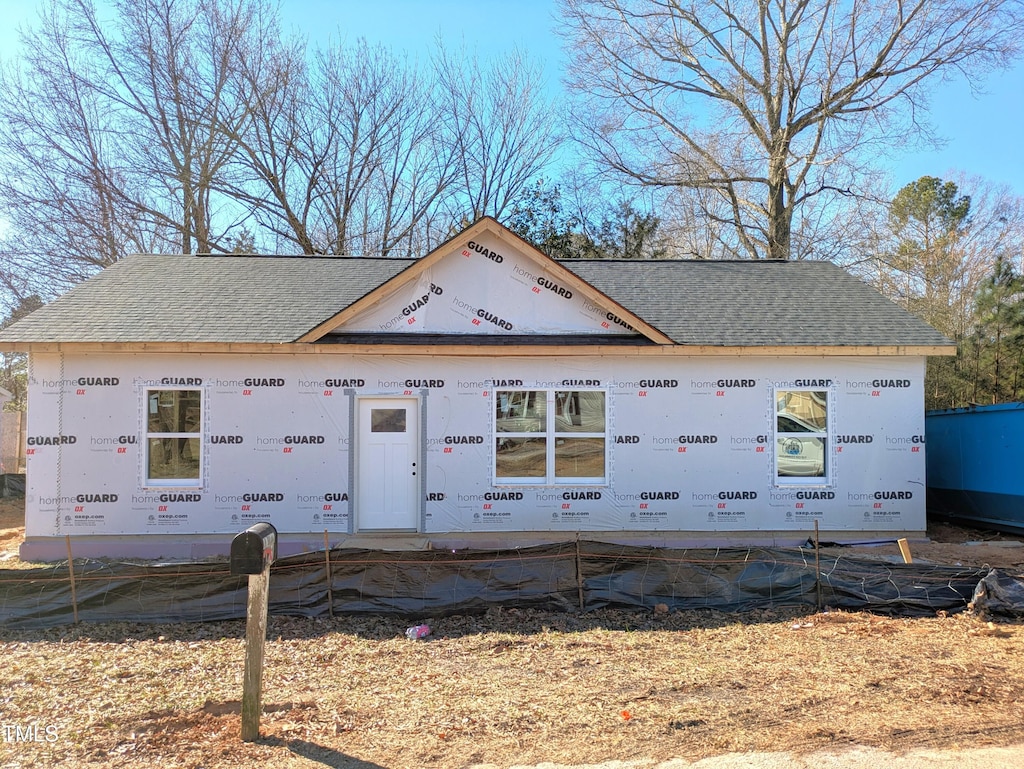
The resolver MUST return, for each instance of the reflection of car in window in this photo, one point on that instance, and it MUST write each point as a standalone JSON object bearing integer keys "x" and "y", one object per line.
{"x": 791, "y": 424}
{"x": 799, "y": 455}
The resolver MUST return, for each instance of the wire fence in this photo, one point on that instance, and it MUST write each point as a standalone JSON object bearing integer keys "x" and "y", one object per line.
{"x": 571, "y": 576}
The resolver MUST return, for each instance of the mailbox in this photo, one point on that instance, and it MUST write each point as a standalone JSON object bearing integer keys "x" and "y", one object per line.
{"x": 254, "y": 549}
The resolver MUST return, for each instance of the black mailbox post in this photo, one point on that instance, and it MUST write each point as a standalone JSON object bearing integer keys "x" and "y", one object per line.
{"x": 252, "y": 552}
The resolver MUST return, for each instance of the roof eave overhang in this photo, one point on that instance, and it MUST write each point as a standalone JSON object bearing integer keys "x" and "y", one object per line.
{"x": 477, "y": 350}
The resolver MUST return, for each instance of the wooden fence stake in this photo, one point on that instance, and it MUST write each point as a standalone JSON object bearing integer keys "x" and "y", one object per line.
{"x": 817, "y": 563}
{"x": 904, "y": 550}
{"x": 579, "y": 571}
{"x": 330, "y": 576}
{"x": 71, "y": 574}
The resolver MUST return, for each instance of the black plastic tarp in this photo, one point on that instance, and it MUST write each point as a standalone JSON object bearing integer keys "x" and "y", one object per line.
{"x": 426, "y": 582}
{"x": 12, "y": 484}
{"x": 1000, "y": 594}
{"x": 430, "y": 582}
{"x": 904, "y": 590}
{"x": 747, "y": 579}
{"x": 184, "y": 592}
{"x": 578, "y": 575}
{"x": 724, "y": 579}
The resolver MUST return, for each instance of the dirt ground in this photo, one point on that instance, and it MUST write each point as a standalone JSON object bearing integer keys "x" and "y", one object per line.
{"x": 512, "y": 688}
{"x": 12, "y": 525}
{"x": 520, "y": 687}
{"x": 950, "y": 545}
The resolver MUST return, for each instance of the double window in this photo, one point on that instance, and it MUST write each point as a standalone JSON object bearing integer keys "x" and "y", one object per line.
{"x": 801, "y": 436}
{"x": 550, "y": 436}
{"x": 174, "y": 438}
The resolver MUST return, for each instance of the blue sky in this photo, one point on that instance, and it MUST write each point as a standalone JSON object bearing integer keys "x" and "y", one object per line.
{"x": 983, "y": 133}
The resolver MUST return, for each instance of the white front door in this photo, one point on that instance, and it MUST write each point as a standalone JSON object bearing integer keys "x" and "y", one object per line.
{"x": 387, "y": 495}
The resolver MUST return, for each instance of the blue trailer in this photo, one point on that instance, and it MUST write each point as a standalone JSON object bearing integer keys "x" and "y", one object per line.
{"x": 975, "y": 465}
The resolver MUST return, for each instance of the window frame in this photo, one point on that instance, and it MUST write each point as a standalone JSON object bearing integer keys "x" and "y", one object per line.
{"x": 551, "y": 435}
{"x": 148, "y": 435}
{"x": 826, "y": 435}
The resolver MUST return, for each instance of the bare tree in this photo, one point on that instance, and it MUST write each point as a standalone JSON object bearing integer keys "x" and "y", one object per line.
{"x": 386, "y": 164}
{"x": 275, "y": 170}
{"x": 192, "y": 126}
{"x": 763, "y": 109}
{"x": 167, "y": 66}
{"x": 114, "y": 131}
{"x": 344, "y": 156}
{"x": 418, "y": 175}
{"x": 72, "y": 203}
{"x": 374, "y": 155}
{"x": 502, "y": 126}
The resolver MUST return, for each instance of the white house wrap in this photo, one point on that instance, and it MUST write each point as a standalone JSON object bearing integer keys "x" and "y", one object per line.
{"x": 482, "y": 395}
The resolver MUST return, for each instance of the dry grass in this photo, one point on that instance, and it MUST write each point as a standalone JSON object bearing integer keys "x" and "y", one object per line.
{"x": 511, "y": 686}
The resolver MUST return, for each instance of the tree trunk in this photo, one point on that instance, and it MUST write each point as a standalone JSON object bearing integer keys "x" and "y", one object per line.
{"x": 780, "y": 215}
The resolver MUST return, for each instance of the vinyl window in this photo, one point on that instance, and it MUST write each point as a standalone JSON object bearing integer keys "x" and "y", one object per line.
{"x": 802, "y": 440}
{"x": 174, "y": 440}
{"x": 550, "y": 437}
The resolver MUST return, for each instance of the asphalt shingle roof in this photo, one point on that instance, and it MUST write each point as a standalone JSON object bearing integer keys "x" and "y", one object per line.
{"x": 756, "y": 303}
{"x": 146, "y": 298}
{"x": 261, "y": 299}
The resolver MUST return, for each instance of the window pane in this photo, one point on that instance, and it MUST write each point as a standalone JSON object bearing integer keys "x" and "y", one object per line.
{"x": 176, "y": 458}
{"x": 802, "y": 411}
{"x": 174, "y": 411}
{"x": 579, "y": 411}
{"x": 579, "y": 458}
{"x": 520, "y": 457}
{"x": 803, "y": 457}
{"x": 520, "y": 411}
{"x": 387, "y": 421}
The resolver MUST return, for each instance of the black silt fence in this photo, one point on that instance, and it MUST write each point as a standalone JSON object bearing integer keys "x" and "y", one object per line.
{"x": 571, "y": 576}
